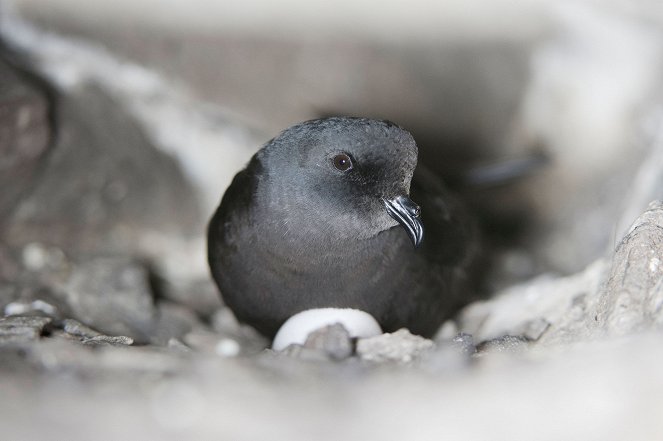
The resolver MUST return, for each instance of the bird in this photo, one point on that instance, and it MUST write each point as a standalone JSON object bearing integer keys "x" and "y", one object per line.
{"x": 323, "y": 217}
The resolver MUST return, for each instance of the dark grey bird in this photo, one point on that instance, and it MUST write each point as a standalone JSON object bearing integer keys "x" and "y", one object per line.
{"x": 323, "y": 217}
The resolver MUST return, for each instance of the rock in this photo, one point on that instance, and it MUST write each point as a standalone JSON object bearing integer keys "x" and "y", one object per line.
{"x": 223, "y": 320}
{"x": 102, "y": 355}
{"x": 333, "y": 341}
{"x": 449, "y": 354}
{"x": 172, "y": 321}
{"x": 299, "y": 352}
{"x": 533, "y": 330}
{"x": 464, "y": 343}
{"x": 178, "y": 346}
{"x": 104, "y": 188}
{"x": 25, "y": 133}
{"x": 36, "y": 307}
{"x": 615, "y": 296}
{"x": 228, "y": 347}
{"x": 21, "y": 329}
{"x": 78, "y": 329}
{"x": 107, "y": 340}
{"x": 37, "y": 257}
{"x": 509, "y": 344}
{"x": 546, "y": 309}
{"x": 112, "y": 295}
{"x": 632, "y": 300}
{"x": 9, "y": 266}
{"x": 199, "y": 294}
{"x": 202, "y": 340}
{"x": 400, "y": 346}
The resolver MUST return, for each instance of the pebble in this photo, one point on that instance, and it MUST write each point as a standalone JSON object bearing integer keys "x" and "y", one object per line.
{"x": 227, "y": 347}
{"x": 17, "y": 329}
{"x": 400, "y": 346}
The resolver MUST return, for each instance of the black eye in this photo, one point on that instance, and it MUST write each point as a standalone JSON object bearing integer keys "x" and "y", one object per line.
{"x": 342, "y": 162}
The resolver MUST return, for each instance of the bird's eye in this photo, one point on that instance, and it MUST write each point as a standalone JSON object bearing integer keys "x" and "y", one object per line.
{"x": 342, "y": 162}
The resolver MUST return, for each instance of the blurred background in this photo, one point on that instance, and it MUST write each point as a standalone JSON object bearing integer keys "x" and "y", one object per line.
{"x": 477, "y": 83}
{"x": 122, "y": 123}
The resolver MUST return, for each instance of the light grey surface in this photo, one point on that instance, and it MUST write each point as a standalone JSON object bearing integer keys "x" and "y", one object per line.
{"x": 575, "y": 357}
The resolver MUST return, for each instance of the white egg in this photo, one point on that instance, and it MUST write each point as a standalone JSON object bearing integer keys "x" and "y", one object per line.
{"x": 298, "y": 327}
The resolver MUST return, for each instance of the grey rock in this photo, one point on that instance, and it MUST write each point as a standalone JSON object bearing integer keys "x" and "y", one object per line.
{"x": 25, "y": 133}
{"x": 199, "y": 294}
{"x": 400, "y": 346}
{"x": 534, "y": 329}
{"x": 464, "y": 343}
{"x": 106, "y": 355}
{"x": 107, "y": 340}
{"x": 618, "y": 295}
{"x": 104, "y": 188}
{"x": 333, "y": 341}
{"x": 112, "y": 295}
{"x": 21, "y": 329}
{"x": 75, "y": 330}
{"x": 28, "y": 287}
{"x": 37, "y": 257}
{"x": 547, "y": 309}
{"x": 632, "y": 300}
{"x": 172, "y": 321}
{"x": 205, "y": 341}
{"x": 299, "y": 352}
{"x": 509, "y": 344}
{"x": 449, "y": 355}
{"x": 9, "y": 267}
{"x": 38, "y": 307}
{"x": 223, "y": 320}
{"x": 178, "y": 346}
{"x": 78, "y": 329}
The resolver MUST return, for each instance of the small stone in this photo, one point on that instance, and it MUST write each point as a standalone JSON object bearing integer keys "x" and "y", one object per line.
{"x": 209, "y": 342}
{"x": 632, "y": 298}
{"x": 464, "y": 343}
{"x": 18, "y": 329}
{"x": 76, "y": 328}
{"x": 509, "y": 344}
{"x": 25, "y": 134}
{"x": 112, "y": 295}
{"x": 172, "y": 321}
{"x": 400, "y": 346}
{"x": 223, "y": 320}
{"x": 534, "y": 329}
{"x": 227, "y": 347}
{"x": 108, "y": 340}
{"x": 447, "y": 331}
{"x": 301, "y": 353}
{"x": 333, "y": 340}
{"x": 36, "y": 306}
{"x": 34, "y": 256}
{"x": 178, "y": 345}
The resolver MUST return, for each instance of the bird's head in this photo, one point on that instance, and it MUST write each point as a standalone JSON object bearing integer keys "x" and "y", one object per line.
{"x": 342, "y": 178}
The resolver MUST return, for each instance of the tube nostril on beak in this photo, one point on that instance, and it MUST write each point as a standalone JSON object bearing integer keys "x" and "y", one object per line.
{"x": 406, "y": 213}
{"x": 411, "y": 207}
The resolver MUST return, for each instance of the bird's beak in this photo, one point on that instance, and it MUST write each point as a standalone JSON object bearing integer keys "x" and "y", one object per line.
{"x": 406, "y": 213}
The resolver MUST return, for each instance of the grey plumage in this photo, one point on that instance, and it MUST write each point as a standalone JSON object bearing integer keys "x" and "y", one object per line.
{"x": 295, "y": 232}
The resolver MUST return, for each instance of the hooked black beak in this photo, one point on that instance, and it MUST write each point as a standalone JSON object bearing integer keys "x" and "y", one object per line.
{"x": 406, "y": 213}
